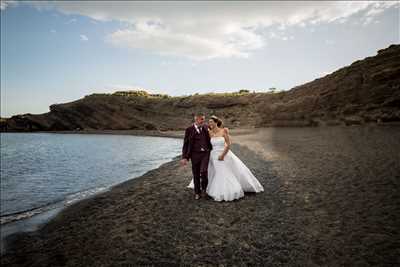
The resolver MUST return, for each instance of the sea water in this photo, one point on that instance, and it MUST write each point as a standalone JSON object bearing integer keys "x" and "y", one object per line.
{"x": 44, "y": 172}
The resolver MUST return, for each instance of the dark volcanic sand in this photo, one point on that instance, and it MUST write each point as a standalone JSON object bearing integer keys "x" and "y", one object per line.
{"x": 331, "y": 199}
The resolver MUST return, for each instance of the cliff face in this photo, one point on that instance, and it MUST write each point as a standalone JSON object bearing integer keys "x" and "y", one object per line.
{"x": 111, "y": 111}
{"x": 367, "y": 91}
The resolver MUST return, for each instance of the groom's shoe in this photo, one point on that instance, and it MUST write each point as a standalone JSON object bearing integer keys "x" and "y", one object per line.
{"x": 204, "y": 195}
{"x": 196, "y": 196}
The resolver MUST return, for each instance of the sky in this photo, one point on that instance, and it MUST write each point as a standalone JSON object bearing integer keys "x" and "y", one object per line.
{"x": 57, "y": 52}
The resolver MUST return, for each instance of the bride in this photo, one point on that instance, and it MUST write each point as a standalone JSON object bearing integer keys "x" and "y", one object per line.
{"x": 228, "y": 176}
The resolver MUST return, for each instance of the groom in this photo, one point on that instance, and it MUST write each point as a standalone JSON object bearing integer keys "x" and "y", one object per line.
{"x": 197, "y": 147}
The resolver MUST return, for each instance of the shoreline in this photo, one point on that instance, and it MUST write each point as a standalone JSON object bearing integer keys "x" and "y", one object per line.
{"x": 41, "y": 218}
{"x": 328, "y": 192}
{"x": 233, "y": 131}
{"x": 33, "y": 223}
{"x": 37, "y": 221}
{"x": 168, "y": 134}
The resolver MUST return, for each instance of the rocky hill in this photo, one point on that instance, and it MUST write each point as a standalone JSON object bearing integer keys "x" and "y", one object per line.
{"x": 367, "y": 91}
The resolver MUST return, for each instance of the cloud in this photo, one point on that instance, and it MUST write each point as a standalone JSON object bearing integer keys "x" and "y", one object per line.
{"x": 165, "y": 41}
{"x": 207, "y": 30}
{"x": 280, "y": 36}
{"x": 84, "y": 38}
{"x": 53, "y": 31}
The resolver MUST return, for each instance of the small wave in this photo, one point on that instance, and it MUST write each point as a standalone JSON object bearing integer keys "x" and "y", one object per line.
{"x": 68, "y": 200}
{"x": 83, "y": 194}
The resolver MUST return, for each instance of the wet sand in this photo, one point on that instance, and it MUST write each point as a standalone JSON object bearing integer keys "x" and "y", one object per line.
{"x": 331, "y": 199}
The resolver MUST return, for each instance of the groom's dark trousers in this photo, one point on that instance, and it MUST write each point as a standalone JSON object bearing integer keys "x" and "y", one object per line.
{"x": 200, "y": 171}
{"x": 197, "y": 147}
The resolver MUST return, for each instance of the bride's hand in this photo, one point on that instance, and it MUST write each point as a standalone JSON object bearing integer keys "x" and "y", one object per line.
{"x": 220, "y": 157}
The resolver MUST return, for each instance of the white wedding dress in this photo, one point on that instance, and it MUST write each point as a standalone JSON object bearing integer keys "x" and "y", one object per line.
{"x": 230, "y": 178}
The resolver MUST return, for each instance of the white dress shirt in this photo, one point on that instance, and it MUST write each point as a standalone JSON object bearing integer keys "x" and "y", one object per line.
{"x": 197, "y": 128}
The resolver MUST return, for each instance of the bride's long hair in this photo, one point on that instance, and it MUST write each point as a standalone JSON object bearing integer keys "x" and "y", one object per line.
{"x": 217, "y": 120}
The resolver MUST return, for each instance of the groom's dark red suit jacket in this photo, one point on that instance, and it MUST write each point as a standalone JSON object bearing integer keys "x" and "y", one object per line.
{"x": 188, "y": 143}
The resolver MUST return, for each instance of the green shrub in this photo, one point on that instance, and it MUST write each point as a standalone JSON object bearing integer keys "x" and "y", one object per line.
{"x": 131, "y": 93}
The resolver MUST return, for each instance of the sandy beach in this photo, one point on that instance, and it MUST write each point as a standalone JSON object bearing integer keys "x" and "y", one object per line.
{"x": 331, "y": 199}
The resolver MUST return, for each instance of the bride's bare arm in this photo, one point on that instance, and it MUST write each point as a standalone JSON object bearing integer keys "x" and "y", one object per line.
{"x": 226, "y": 131}
{"x": 227, "y": 144}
